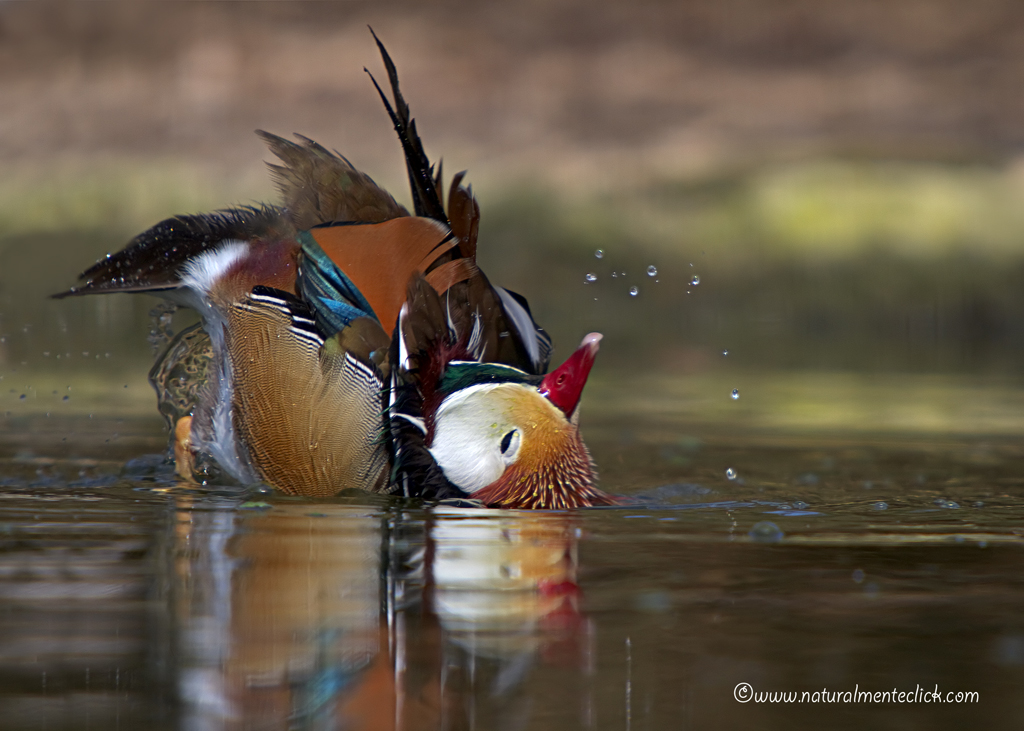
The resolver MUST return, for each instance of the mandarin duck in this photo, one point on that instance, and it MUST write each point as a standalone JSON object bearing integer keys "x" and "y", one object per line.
{"x": 345, "y": 343}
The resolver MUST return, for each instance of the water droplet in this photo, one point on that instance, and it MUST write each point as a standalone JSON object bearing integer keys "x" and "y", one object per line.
{"x": 634, "y": 291}
{"x": 599, "y": 253}
{"x": 766, "y": 532}
{"x": 858, "y": 576}
{"x": 615, "y": 275}
{"x": 730, "y": 473}
{"x": 880, "y": 505}
{"x": 799, "y": 505}
{"x": 735, "y": 394}
{"x": 591, "y": 277}
{"x": 66, "y": 398}
{"x": 23, "y": 397}
{"x": 652, "y": 271}
{"x": 695, "y": 281}
{"x": 725, "y": 352}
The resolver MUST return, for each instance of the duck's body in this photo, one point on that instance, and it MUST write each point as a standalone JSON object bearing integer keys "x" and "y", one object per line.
{"x": 345, "y": 343}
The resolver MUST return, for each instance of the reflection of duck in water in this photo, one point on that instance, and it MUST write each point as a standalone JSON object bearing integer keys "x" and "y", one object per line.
{"x": 498, "y": 594}
{"x": 289, "y": 617}
{"x": 278, "y": 612}
{"x": 504, "y": 584}
{"x": 323, "y": 315}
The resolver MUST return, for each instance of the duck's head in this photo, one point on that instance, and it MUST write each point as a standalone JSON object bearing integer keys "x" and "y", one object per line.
{"x": 510, "y": 439}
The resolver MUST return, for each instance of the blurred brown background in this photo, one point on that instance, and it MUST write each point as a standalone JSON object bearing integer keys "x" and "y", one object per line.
{"x": 846, "y": 179}
{"x": 561, "y": 91}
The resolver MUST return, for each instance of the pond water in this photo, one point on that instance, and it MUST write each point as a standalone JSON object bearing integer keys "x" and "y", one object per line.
{"x": 827, "y": 563}
{"x": 832, "y": 530}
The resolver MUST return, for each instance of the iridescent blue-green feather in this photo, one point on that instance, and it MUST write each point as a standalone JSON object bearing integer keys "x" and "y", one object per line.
{"x": 335, "y": 300}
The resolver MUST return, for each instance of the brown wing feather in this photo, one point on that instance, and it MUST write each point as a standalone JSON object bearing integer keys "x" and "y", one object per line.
{"x": 426, "y": 321}
{"x": 470, "y": 299}
{"x": 464, "y": 214}
{"x": 319, "y": 186}
{"x": 308, "y": 415}
{"x": 451, "y": 273}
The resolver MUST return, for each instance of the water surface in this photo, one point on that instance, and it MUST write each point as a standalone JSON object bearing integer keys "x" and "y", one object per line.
{"x": 131, "y": 600}
{"x": 853, "y": 521}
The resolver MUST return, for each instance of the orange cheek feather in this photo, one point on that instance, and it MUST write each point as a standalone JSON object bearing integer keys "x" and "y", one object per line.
{"x": 554, "y": 470}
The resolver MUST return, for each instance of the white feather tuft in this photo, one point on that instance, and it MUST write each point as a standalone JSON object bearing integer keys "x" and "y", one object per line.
{"x": 448, "y": 313}
{"x": 414, "y": 420}
{"x": 403, "y": 349}
{"x": 203, "y": 272}
{"x": 476, "y": 338}
{"x": 523, "y": 324}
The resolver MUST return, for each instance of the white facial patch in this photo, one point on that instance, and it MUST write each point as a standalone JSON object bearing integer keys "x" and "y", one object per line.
{"x": 474, "y": 438}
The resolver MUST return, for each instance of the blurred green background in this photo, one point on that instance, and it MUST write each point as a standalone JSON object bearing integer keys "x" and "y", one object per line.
{"x": 845, "y": 180}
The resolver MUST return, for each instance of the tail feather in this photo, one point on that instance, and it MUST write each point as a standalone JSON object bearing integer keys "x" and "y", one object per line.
{"x": 426, "y": 200}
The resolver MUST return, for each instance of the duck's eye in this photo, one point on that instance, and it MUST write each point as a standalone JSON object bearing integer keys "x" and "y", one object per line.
{"x": 506, "y": 441}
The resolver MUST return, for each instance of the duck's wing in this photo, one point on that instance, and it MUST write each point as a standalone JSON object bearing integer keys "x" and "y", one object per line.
{"x": 320, "y": 187}
{"x": 156, "y": 260}
{"x": 317, "y": 186}
{"x": 326, "y": 436}
{"x": 368, "y": 266}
